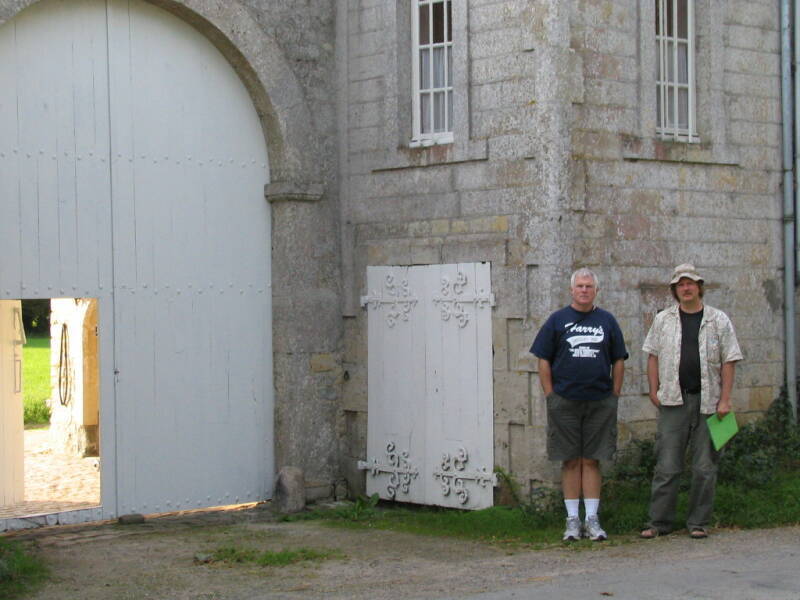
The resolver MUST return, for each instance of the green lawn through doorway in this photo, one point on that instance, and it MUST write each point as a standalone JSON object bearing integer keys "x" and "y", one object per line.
{"x": 36, "y": 379}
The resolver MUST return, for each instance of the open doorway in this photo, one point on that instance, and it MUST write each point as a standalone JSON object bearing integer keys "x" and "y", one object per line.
{"x": 50, "y": 397}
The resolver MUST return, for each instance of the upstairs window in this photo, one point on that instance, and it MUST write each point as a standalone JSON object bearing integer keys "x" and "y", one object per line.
{"x": 432, "y": 66}
{"x": 675, "y": 93}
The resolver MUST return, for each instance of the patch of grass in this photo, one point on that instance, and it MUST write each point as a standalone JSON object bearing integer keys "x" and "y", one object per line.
{"x": 777, "y": 503}
{"x": 362, "y": 508}
{"x": 20, "y": 570}
{"x": 267, "y": 558}
{"x": 36, "y": 379}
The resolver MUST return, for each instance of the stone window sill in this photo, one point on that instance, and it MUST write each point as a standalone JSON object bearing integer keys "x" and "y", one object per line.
{"x": 428, "y": 156}
{"x": 654, "y": 149}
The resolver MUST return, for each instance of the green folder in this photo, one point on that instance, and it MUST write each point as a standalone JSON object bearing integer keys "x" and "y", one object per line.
{"x": 723, "y": 429}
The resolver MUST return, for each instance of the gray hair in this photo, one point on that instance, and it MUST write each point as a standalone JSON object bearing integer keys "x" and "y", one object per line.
{"x": 584, "y": 272}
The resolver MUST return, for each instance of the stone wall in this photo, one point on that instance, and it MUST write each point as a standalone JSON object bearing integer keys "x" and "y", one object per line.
{"x": 556, "y": 165}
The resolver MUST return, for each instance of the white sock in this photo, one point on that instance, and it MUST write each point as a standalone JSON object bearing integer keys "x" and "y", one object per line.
{"x": 590, "y": 505}
{"x": 572, "y": 507}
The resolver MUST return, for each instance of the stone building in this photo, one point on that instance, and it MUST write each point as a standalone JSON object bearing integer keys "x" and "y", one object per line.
{"x": 561, "y": 157}
{"x": 533, "y": 135}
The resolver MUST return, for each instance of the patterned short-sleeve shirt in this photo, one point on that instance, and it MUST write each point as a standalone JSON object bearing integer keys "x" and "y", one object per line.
{"x": 718, "y": 345}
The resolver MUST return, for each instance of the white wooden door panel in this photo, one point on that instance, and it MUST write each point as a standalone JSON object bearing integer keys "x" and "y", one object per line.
{"x": 429, "y": 437}
{"x": 57, "y": 145}
{"x": 460, "y": 423}
{"x": 199, "y": 241}
{"x": 395, "y": 443}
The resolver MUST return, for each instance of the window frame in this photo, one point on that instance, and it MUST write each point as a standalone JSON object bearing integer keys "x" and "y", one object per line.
{"x": 397, "y": 128}
{"x": 666, "y": 63}
{"x": 429, "y": 138}
{"x": 711, "y": 112}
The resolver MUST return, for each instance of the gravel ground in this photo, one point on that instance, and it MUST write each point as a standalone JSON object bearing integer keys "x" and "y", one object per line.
{"x": 158, "y": 559}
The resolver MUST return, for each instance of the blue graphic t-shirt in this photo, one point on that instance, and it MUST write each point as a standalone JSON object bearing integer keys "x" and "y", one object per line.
{"x": 581, "y": 347}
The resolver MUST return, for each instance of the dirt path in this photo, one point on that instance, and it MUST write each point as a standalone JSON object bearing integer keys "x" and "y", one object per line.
{"x": 157, "y": 560}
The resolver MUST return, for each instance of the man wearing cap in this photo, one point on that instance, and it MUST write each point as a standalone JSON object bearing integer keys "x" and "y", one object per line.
{"x": 692, "y": 354}
{"x": 581, "y": 355}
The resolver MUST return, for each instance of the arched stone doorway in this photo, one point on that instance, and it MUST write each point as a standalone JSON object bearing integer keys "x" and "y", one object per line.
{"x": 159, "y": 212}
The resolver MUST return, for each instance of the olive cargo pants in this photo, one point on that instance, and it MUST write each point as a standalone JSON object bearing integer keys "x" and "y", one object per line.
{"x": 679, "y": 427}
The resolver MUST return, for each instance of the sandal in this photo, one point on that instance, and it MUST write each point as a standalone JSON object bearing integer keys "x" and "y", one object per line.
{"x": 698, "y": 534}
{"x": 649, "y": 534}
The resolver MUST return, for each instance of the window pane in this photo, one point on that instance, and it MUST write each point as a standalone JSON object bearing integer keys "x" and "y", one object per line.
{"x": 449, "y": 61}
{"x": 438, "y": 23}
{"x": 424, "y": 69}
{"x": 683, "y": 108}
{"x": 683, "y": 19}
{"x": 683, "y": 63}
{"x": 438, "y": 67}
{"x": 670, "y": 107}
{"x": 438, "y": 111}
{"x": 425, "y": 113}
{"x": 659, "y": 63}
{"x": 670, "y": 60}
{"x": 668, "y": 18}
{"x": 658, "y": 17}
{"x": 449, "y": 111}
{"x": 658, "y": 106}
{"x": 449, "y": 21}
{"x": 424, "y": 25}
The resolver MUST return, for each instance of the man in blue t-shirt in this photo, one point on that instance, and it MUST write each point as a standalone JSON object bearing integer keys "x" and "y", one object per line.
{"x": 581, "y": 355}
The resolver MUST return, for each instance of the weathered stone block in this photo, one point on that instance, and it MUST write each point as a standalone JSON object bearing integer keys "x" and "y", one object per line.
{"x": 619, "y": 119}
{"x": 426, "y": 252}
{"x": 494, "y": 42}
{"x": 761, "y": 398}
{"x": 748, "y": 37}
{"x": 510, "y": 289}
{"x": 499, "y": 344}
{"x": 500, "y": 201}
{"x": 366, "y": 90}
{"x": 290, "y": 490}
{"x": 501, "y": 443}
{"x": 511, "y": 397}
{"x": 354, "y": 387}
{"x": 520, "y": 338}
{"x": 498, "y": 16}
{"x": 407, "y": 207}
{"x": 323, "y": 362}
{"x": 455, "y": 250}
{"x": 502, "y": 68}
{"x": 504, "y": 94}
{"x": 366, "y": 139}
{"x": 518, "y": 451}
{"x": 366, "y": 43}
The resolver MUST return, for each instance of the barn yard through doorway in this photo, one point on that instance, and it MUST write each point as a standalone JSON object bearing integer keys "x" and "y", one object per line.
{"x": 60, "y": 392}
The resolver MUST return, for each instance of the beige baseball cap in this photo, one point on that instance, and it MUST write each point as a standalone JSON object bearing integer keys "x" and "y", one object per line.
{"x": 685, "y": 270}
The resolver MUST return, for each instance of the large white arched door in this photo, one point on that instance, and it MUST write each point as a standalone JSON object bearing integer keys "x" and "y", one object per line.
{"x": 132, "y": 169}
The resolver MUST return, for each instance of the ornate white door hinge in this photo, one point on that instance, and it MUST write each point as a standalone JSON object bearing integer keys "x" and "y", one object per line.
{"x": 398, "y": 466}
{"x": 453, "y": 476}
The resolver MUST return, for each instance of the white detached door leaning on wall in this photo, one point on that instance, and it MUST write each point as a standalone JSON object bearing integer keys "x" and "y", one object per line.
{"x": 429, "y": 425}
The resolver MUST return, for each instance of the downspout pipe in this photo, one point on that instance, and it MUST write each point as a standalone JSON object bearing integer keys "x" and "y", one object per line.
{"x": 789, "y": 106}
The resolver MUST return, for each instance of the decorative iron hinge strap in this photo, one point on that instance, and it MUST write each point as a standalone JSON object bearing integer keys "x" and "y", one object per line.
{"x": 451, "y": 299}
{"x": 453, "y": 476}
{"x": 398, "y": 466}
{"x": 397, "y": 298}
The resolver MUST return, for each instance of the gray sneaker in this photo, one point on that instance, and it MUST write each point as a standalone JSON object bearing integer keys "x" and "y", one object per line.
{"x": 593, "y": 531}
{"x": 573, "y": 531}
